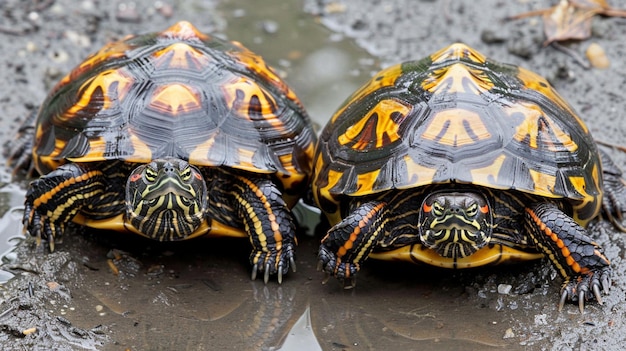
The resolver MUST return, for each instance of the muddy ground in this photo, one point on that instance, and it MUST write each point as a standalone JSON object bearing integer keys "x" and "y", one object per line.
{"x": 197, "y": 295}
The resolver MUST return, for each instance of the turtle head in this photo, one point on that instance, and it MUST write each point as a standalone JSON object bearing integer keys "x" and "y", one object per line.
{"x": 455, "y": 224}
{"x": 166, "y": 199}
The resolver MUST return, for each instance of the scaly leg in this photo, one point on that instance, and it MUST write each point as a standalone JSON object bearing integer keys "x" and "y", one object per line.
{"x": 54, "y": 199}
{"x": 349, "y": 242}
{"x": 257, "y": 203}
{"x": 578, "y": 259}
{"x": 614, "y": 200}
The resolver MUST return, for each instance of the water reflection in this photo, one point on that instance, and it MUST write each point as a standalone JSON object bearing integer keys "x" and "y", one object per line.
{"x": 11, "y": 198}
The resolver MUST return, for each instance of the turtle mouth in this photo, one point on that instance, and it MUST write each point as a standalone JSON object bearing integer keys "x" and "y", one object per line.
{"x": 454, "y": 242}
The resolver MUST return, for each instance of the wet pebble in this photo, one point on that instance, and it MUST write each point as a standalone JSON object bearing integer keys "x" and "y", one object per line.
{"x": 270, "y": 27}
{"x": 540, "y": 319}
{"x": 504, "y": 289}
{"x": 508, "y": 334}
{"x": 238, "y": 13}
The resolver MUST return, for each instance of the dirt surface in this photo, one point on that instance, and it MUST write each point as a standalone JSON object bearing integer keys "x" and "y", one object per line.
{"x": 197, "y": 295}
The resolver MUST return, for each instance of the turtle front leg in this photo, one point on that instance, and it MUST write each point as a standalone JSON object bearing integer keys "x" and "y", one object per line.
{"x": 53, "y": 200}
{"x": 349, "y": 242}
{"x": 578, "y": 259}
{"x": 268, "y": 221}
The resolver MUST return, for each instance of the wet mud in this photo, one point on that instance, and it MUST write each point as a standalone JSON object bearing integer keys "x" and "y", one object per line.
{"x": 110, "y": 291}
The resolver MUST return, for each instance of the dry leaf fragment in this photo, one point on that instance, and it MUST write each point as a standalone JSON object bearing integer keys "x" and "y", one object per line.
{"x": 571, "y": 19}
{"x": 565, "y": 22}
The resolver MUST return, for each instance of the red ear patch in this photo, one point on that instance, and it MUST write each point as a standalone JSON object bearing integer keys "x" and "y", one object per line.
{"x": 484, "y": 209}
{"x": 135, "y": 177}
{"x": 427, "y": 208}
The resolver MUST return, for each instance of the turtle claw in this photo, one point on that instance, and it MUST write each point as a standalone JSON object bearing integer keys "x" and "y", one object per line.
{"x": 280, "y": 275}
{"x": 605, "y": 284}
{"x": 563, "y": 299}
{"x": 272, "y": 262}
{"x": 266, "y": 276}
{"x": 255, "y": 269}
{"x": 326, "y": 278}
{"x": 581, "y": 301}
{"x": 596, "y": 293}
{"x": 349, "y": 283}
{"x": 584, "y": 288}
{"x": 292, "y": 262}
{"x": 51, "y": 243}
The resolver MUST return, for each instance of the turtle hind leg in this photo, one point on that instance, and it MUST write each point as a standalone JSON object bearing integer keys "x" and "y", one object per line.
{"x": 577, "y": 258}
{"x": 614, "y": 200}
{"x": 19, "y": 150}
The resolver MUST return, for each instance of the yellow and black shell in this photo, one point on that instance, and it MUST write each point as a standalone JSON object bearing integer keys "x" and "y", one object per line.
{"x": 457, "y": 117}
{"x": 178, "y": 93}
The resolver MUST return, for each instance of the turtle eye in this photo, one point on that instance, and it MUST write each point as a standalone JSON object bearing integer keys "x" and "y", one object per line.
{"x": 151, "y": 174}
{"x": 185, "y": 174}
{"x": 438, "y": 210}
{"x": 471, "y": 211}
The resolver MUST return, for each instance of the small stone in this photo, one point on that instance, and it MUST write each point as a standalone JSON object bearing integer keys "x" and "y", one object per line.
{"x": 59, "y": 56}
{"x": 99, "y": 308}
{"x": 53, "y": 286}
{"x": 597, "y": 57}
{"x": 508, "y": 334}
{"x": 540, "y": 319}
{"x": 29, "y": 331}
{"x": 504, "y": 289}
{"x": 492, "y": 37}
{"x": 270, "y": 27}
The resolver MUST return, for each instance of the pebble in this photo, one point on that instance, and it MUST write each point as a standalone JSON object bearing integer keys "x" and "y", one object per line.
{"x": 508, "y": 334}
{"x": 492, "y": 37}
{"x": 597, "y": 57}
{"x": 270, "y": 27}
{"x": 78, "y": 39}
{"x": 504, "y": 289}
{"x": 29, "y": 331}
{"x": 540, "y": 319}
{"x": 59, "y": 56}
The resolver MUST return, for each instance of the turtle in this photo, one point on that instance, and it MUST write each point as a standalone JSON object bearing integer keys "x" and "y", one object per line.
{"x": 457, "y": 161}
{"x": 171, "y": 135}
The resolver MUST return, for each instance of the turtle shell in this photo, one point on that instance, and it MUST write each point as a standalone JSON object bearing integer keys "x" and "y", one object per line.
{"x": 178, "y": 93}
{"x": 457, "y": 117}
